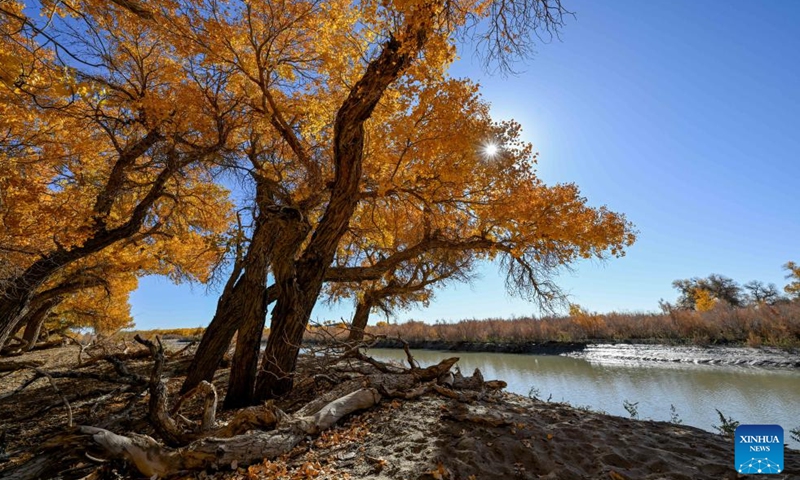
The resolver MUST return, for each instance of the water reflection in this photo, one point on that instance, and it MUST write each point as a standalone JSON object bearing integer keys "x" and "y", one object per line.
{"x": 747, "y": 394}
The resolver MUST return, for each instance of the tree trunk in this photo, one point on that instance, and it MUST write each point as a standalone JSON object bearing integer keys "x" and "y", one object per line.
{"x": 13, "y": 309}
{"x": 289, "y": 319}
{"x": 15, "y": 299}
{"x": 35, "y": 320}
{"x": 278, "y": 235}
{"x": 216, "y": 340}
{"x": 360, "y": 319}
{"x": 248, "y": 343}
{"x": 297, "y": 299}
{"x": 217, "y": 337}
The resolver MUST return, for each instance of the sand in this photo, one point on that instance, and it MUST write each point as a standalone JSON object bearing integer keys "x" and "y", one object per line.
{"x": 502, "y": 436}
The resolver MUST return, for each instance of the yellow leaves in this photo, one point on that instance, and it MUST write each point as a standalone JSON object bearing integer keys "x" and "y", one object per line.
{"x": 704, "y": 300}
{"x": 576, "y": 310}
{"x": 793, "y": 275}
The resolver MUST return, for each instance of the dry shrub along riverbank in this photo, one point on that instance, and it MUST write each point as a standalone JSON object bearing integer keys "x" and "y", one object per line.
{"x": 776, "y": 325}
{"x": 420, "y": 427}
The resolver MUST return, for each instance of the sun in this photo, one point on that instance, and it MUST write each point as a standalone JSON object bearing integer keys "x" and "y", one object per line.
{"x": 491, "y": 149}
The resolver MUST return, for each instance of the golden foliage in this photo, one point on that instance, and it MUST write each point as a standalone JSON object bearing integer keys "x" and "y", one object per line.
{"x": 96, "y": 133}
{"x": 703, "y": 300}
{"x": 134, "y": 117}
{"x": 793, "y": 287}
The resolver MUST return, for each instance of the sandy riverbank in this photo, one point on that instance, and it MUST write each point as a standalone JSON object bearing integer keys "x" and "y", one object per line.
{"x": 622, "y": 352}
{"x": 500, "y": 436}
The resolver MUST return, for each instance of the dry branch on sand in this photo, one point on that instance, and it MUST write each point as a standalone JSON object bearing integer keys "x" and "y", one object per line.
{"x": 449, "y": 432}
{"x": 255, "y": 433}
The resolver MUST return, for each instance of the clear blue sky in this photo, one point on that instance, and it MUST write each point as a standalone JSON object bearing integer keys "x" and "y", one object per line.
{"x": 683, "y": 115}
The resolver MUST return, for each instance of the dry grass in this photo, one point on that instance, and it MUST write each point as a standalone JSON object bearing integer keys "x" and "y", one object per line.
{"x": 777, "y": 325}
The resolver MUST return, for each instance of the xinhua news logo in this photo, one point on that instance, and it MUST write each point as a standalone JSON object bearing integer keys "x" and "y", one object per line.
{"x": 759, "y": 449}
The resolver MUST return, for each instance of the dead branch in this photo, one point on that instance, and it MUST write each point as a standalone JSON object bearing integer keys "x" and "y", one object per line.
{"x": 262, "y": 417}
{"x": 132, "y": 380}
{"x": 380, "y": 366}
{"x": 152, "y": 459}
{"x": 17, "y": 349}
{"x": 81, "y": 346}
{"x": 158, "y": 413}
{"x": 14, "y": 366}
{"x": 122, "y": 357}
{"x": 60, "y": 394}
{"x": 209, "y": 406}
{"x": 125, "y": 411}
{"x": 411, "y": 362}
{"x": 22, "y": 387}
{"x": 182, "y": 350}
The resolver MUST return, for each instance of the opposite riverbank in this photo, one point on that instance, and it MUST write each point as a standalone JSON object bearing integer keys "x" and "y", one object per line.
{"x": 620, "y": 352}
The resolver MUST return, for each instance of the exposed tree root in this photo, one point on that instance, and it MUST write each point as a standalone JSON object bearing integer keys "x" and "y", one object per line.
{"x": 255, "y": 433}
{"x": 153, "y": 459}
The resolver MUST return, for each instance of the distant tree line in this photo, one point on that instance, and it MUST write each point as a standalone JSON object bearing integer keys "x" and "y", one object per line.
{"x": 703, "y": 294}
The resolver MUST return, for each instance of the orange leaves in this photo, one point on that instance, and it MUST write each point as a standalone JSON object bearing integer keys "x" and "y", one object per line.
{"x": 356, "y": 432}
{"x": 441, "y": 472}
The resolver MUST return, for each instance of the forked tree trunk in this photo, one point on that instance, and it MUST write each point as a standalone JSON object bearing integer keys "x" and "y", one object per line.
{"x": 217, "y": 337}
{"x": 277, "y": 239}
{"x": 360, "y": 319}
{"x": 293, "y": 310}
{"x": 252, "y": 306}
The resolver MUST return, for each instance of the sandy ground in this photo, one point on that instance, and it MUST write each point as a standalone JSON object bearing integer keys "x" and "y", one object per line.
{"x": 421, "y": 440}
{"x": 504, "y": 436}
{"x": 714, "y": 355}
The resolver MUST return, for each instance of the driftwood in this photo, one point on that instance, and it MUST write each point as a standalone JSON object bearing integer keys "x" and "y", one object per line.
{"x": 255, "y": 433}
{"x": 152, "y": 459}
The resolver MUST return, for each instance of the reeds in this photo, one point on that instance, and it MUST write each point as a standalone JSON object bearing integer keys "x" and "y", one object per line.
{"x": 770, "y": 325}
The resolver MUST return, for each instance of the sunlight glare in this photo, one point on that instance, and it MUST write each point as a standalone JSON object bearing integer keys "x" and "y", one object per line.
{"x": 491, "y": 149}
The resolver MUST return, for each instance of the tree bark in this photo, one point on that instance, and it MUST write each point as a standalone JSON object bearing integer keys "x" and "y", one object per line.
{"x": 252, "y": 305}
{"x": 280, "y": 230}
{"x": 35, "y": 320}
{"x": 360, "y": 319}
{"x": 217, "y": 338}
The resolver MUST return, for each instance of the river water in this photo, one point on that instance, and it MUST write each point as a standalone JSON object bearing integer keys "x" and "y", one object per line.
{"x": 751, "y": 395}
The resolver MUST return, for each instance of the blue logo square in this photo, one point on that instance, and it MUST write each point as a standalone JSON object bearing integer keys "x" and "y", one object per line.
{"x": 759, "y": 449}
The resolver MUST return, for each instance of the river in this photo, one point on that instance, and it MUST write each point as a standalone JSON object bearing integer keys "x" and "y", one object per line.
{"x": 751, "y": 395}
